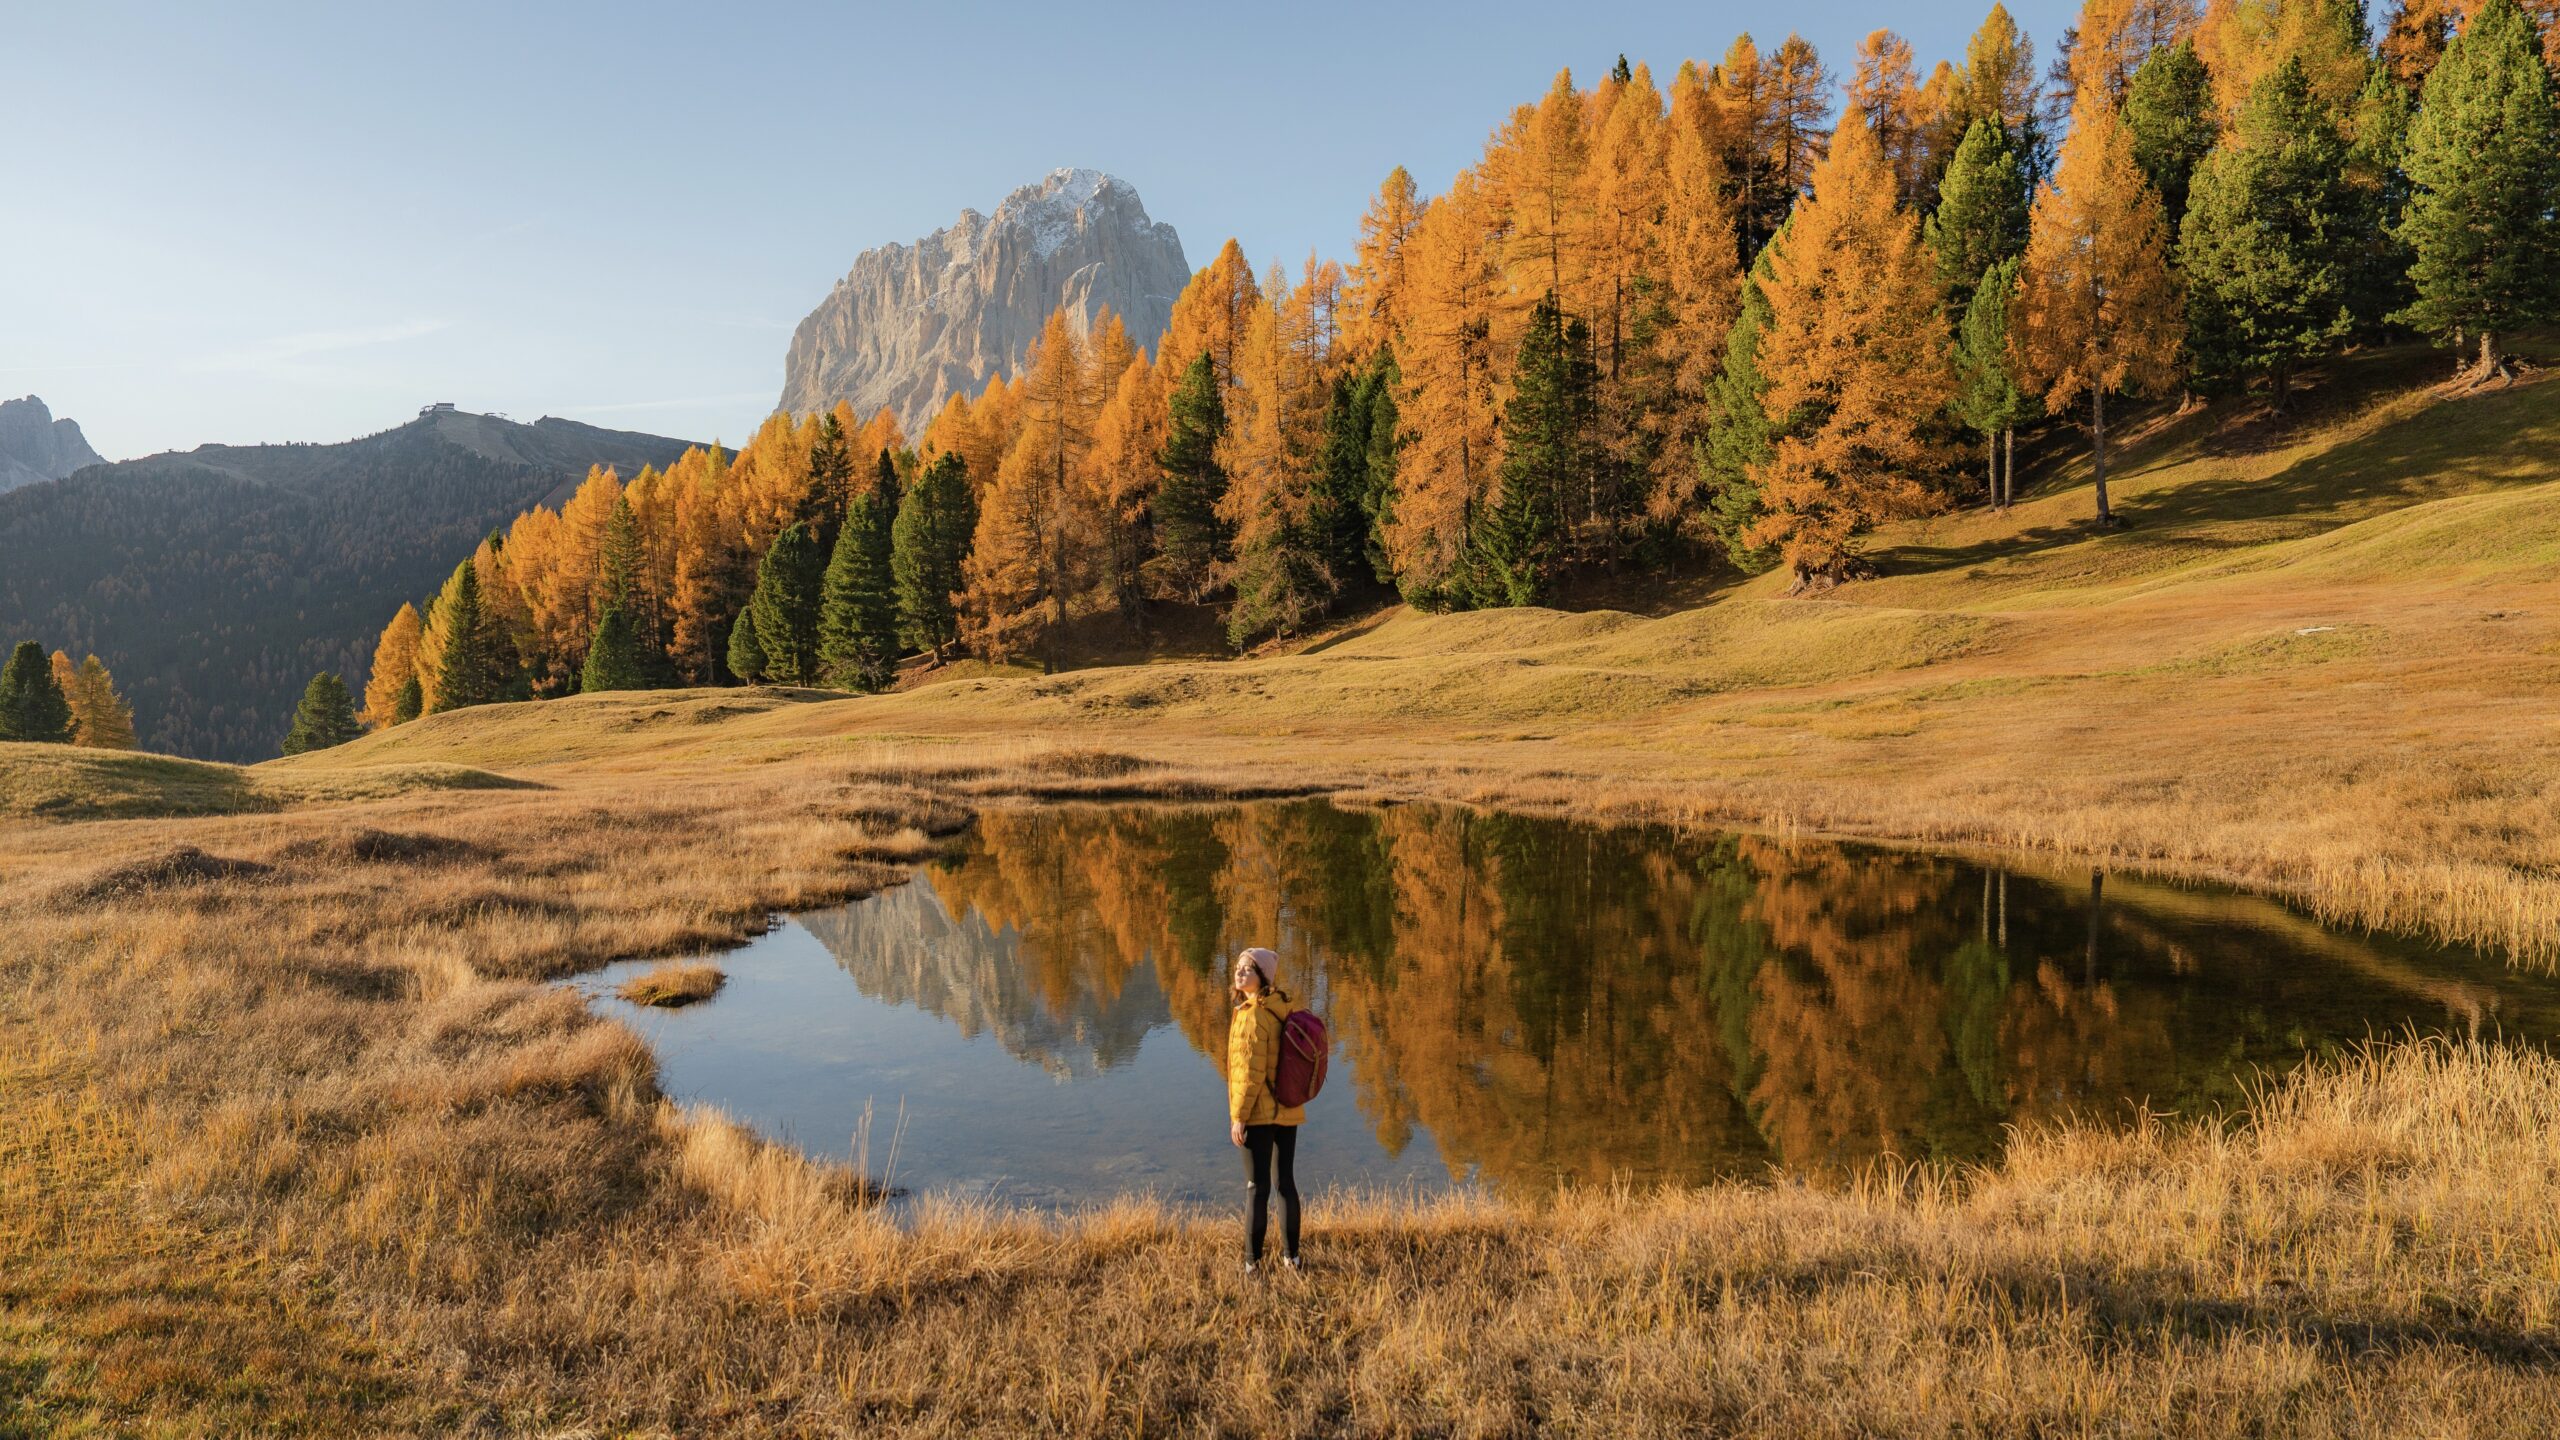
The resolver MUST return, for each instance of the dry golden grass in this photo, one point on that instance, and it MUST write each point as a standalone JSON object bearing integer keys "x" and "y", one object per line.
{"x": 303, "y": 1081}
{"x": 678, "y": 982}
{"x": 332, "y": 1057}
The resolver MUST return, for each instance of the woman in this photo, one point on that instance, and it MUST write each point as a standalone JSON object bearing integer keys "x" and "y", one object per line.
{"x": 1257, "y": 1122}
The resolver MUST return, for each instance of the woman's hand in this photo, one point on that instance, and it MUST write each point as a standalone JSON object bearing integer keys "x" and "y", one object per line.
{"x": 1235, "y": 1132}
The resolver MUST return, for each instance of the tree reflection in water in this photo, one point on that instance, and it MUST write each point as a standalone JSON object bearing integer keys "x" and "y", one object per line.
{"x": 1550, "y": 1000}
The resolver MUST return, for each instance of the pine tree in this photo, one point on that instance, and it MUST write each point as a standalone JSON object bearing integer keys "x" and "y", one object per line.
{"x": 1546, "y": 462}
{"x": 1345, "y": 517}
{"x": 858, "y": 614}
{"x": 475, "y": 662}
{"x": 1192, "y": 541}
{"x": 830, "y": 487}
{"x": 1856, "y": 359}
{"x": 2377, "y": 173}
{"x": 1982, "y": 212}
{"x": 2483, "y": 162}
{"x": 410, "y": 703}
{"x": 784, "y": 607}
{"x": 613, "y": 656}
{"x": 326, "y": 718}
{"x": 1738, "y": 438}
{"x": 745, "y": 654}
{"x": 619, "y": 560}
{"x": 2266, "y": 245}
{"x": 2098, "y": 311}
{"x": 884, "y": 478}
{"x": 929, "y": 547}
{"x": 32, "y": 705}
{"x": 1987, "y": 397}
{"x": 2171, "y": 113}
{"x": 395, "y": 669}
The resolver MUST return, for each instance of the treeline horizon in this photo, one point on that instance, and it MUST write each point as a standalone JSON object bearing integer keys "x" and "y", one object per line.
{"x": 1653, "y": 326}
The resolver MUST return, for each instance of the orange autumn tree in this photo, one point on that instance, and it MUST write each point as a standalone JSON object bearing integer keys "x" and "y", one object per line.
{"x": 2097, "y": 311}
{"x": 388, "y": 696}
{"x": 1445, "y": 406}
{"x": 1375, "y": 282}
{"x": 1885, "y": 94}
{"x": 1210, "y": 316}
{"x": 1120, "y": 475}
{"x": 1855, "y": 356}
{"x": 1026, "y": 562}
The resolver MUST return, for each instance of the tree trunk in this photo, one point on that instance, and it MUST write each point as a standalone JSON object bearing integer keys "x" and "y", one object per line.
{"x": 1991, "y": 467}
{"x": 2098, "y": 428}
{"x": 2009, "y": 466}
{"x": 2491, "y": 362}
{"x": 2283, "y": 377}
{"x": 2097, "y": 907}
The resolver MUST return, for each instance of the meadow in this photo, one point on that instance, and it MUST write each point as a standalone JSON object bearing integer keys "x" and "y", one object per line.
{"x": 304, "y": 1142}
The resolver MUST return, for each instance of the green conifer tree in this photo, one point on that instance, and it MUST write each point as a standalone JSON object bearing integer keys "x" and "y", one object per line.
{"x": 1987, "y": 395}
{"x": 784, "y": 608}
{"x": 479, "y": 664}
{"x": 745, "y": 654}
{"x": 885, "y": 482}
{"x": 2267, "y": 242}
{"x": 2483, "y": 162}
{"x": 2170, "y": 110}
{"x": 1981, "y": 218}
{"x": 1384, "y": 443}
{"x": 1342, "y": 518}
{"x": 858, "y": 599}
{"x": 613, "y": 655}
{"x": 1192, "y": 541}
{"x": 1547, "y": 460}
{"x": 928, "y": 546}
{"x": 411, "y": 701}
{"x": 1739, "y": 438}
{"x": 830, "y": 487}
{"x": 32, "y": 705}
{"x": 326, "y": 717}
{"x": 2380, "y": 258}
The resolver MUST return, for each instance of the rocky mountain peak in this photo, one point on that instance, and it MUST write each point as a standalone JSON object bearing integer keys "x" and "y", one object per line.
{"x": 910, "y": 324}
{"x": 35, "y": 447}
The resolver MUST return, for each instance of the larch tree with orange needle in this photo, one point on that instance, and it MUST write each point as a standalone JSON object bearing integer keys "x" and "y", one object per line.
{"x": 391, "y": 686}
{"x": 1209, "y": 317}
{"x": 1540, "y": 171}
{"x": 1029, "y": 535}
{"x": 1446, "y": 409}
{"x": 1120, "y": 477}
{"x": 1376, "y": 278}
{"x": 1884, "y": 93}
{"x": 1855, "y": 356}
{"x": 1700, "y": 283}
{"x": 2098, "y": 311}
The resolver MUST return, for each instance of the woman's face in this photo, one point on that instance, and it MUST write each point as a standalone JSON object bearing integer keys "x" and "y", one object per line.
{"x": 1248, "y": 979}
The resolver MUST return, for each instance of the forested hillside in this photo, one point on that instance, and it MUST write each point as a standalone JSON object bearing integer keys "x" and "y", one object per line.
{"x": 216, "y": 582}
{"x": 1733, "y": 319}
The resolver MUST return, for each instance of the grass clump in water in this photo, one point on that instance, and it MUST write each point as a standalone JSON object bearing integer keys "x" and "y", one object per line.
{"x": 675, "y": 983}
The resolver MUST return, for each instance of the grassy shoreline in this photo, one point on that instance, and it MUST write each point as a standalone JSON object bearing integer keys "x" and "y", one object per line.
{"x": 296, "y": 1080}
{"x": 338, "y": 1056}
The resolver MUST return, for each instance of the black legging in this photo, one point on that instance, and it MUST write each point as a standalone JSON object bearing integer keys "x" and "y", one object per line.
{"x": 1260, "y": 1141}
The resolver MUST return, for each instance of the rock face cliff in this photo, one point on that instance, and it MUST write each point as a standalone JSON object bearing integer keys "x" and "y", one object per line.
{"x": 36, "y": 447}
{"x": 910, "y": 324}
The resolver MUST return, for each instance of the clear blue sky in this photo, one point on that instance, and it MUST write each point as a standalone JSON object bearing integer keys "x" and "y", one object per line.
{"x": 262, "y": 222}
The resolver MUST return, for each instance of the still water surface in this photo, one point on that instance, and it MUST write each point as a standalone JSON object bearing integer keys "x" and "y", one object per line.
{"x": 1040, "y": 1016}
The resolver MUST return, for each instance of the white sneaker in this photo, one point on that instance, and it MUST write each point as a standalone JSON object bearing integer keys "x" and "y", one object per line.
{"x": 1290, "y": 1263}
{"x": 1253, "y": 1267}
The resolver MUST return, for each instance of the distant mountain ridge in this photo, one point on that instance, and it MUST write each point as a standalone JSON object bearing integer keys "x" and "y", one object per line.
{"x": 216, "y": 581}
{"x": 911, "y": 324}
{"x": 36, "y": 447}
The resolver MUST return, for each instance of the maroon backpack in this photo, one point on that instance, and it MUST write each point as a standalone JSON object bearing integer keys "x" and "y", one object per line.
{"x": 1304, "y": 1052}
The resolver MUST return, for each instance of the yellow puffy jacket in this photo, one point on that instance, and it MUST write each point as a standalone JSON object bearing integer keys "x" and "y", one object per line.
{"x": 1253, "y": 1061}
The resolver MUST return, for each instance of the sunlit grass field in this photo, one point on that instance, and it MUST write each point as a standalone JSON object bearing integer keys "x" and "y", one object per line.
{"x": 303, "y": 1142}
